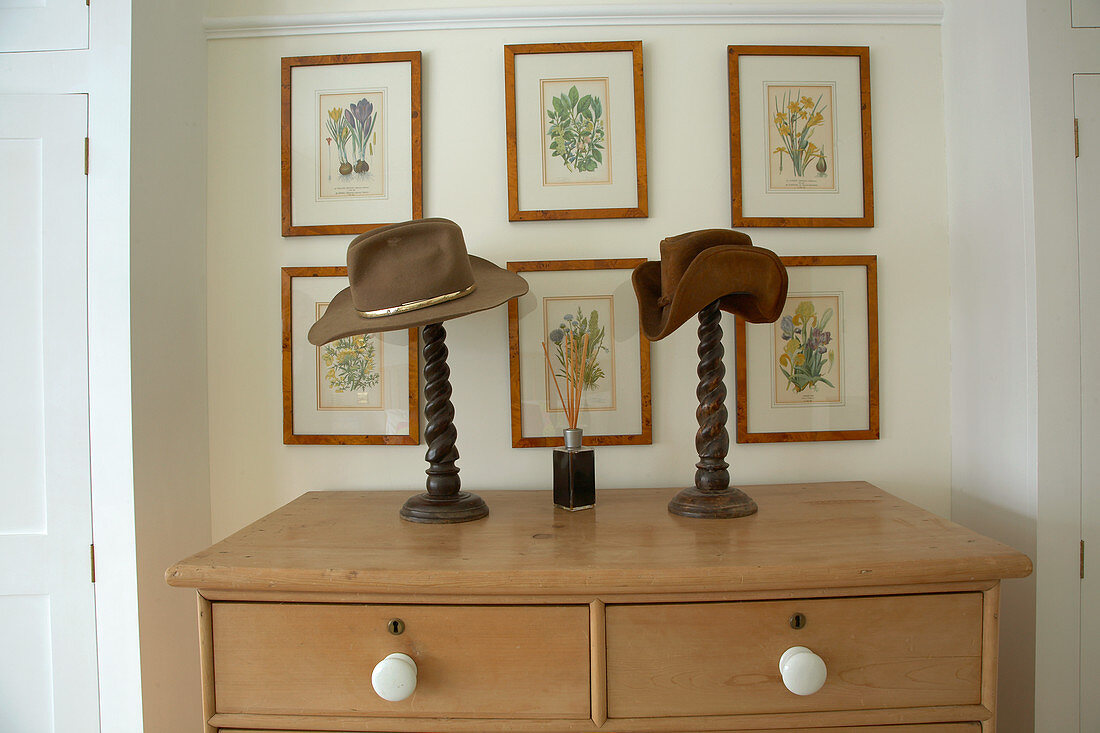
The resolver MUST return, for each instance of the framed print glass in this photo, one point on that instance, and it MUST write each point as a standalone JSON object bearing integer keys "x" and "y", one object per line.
{"x": 575, "y": 131}
{"x": 800, "y": 136}
{"x": 813, "y": 374}
{"x": 571, "y": 300}
{"x": 350, "y": 142}
{"x": 359, "y": 390}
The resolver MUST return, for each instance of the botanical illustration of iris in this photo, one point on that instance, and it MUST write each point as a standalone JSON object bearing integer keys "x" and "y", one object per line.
{"x": 577, "y": 131}
{"x": 795, "y": 122}
{"x": 807, "y": 357}
{"x": 360, "y": 118}
{"x": 352, "y": 364}
{"x": 573, "y": 328}
{"x": 340, "y": 133}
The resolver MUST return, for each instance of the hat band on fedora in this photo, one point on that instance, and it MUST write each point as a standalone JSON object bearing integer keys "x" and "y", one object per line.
{"x": 417, "y": 304}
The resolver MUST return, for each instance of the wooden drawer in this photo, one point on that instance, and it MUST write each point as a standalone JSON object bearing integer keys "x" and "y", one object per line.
{"x": 932, "y": 728}
{"x": 723, "y": 658}
{"x": 472, "y": 661}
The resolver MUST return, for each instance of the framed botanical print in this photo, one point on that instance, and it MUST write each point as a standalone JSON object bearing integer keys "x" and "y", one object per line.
{"x": 813, "y": 374}
{"x": 575, "y": 116}
{"x": 570, "y": 303}
{"x": 358, "y": 390}
{"x": 350, "y": 142}
{"x": 800, "y": 136}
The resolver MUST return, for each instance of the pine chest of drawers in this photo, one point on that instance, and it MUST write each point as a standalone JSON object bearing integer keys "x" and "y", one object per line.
{"x": 621, "y": 618}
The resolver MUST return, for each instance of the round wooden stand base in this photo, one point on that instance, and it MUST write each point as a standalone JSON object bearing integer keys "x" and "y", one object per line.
{"x": 725, "y": 504}
{"x": 461, "y": 507}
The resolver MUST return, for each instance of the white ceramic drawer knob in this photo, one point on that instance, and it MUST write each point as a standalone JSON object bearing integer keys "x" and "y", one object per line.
{"x": 394, "y": 678}
{"x": 803, "y": 671}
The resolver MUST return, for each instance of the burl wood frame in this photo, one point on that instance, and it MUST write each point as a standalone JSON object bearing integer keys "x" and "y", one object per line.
{"x": 739, "y": 219}
{"x": 292, "y": 438}
{"x": 290, "y": 229}
{"x": 872, "y": 430}
{"x": 514, "y": 212}
{"x": 645, "y": 437}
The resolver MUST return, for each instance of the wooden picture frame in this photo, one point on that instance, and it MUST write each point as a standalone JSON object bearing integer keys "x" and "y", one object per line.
{"x": 838, "y": 297}
{"x": 326, "y": 190}
{"x": 366, "y": 421}
{"x": 825, "y": 183}
{"x": 619, "y": 412}
{"x": 550, "y": 177}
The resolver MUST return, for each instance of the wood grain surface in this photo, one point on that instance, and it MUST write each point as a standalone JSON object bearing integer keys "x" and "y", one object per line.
{"x": 491, "y": 661}
{"x": 934, "y": 728}
{"x": 723, "y": 658}
{"x": 816, "y": 536}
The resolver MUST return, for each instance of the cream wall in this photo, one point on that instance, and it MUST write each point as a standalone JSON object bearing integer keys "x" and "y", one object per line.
{"x": 994, "y": 369}
{"x": 464, "y": 179}
{"x": 168, "y": 348}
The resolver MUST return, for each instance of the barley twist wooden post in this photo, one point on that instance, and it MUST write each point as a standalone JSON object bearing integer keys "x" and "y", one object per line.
{"x": 712, "y": 497}
{"x": 443, "y": 502}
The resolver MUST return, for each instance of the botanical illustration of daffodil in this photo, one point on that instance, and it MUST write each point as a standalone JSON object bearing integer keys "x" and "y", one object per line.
{"x": 351, "y": 364}
{"x": 797, "y": 117}
{"x": 807, "y": 357}
{"x": 338, "y": 129}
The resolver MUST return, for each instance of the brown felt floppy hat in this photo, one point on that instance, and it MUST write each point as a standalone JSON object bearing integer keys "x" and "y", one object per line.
{"x": 698, "y": 268}
{"x": 412, "y": 274}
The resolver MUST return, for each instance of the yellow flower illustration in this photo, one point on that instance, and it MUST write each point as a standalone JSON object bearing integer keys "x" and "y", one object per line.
{"x": 335, "y": 114}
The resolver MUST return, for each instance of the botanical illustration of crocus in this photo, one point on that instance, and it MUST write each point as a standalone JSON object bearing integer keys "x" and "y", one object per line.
{"x": 807, "y": 357}
{"x": 795, "y": 122}
{"x": 352, "y": 364}
{"x": 576, "y": 130}
{"x": 569, "y": 336}
{"x": 338, "y": 129}
{"x": 361, "y": 118}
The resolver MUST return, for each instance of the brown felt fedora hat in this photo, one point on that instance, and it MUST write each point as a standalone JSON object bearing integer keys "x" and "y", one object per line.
{"x": 698, "y": 268}
{"x": 412, "y": 274}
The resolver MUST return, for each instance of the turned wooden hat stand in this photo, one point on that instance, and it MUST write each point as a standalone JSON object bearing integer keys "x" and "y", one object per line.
{"x": 712, "y": 497}
{"x": 444, "y": 502}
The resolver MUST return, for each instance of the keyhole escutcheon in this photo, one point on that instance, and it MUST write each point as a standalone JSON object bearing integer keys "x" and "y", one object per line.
{"x": 798, "y": 620}
{"x": 396, "y": 626}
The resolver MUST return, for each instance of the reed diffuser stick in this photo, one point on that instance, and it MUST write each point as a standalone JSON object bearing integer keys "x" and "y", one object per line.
{"x": 575, "y": 362}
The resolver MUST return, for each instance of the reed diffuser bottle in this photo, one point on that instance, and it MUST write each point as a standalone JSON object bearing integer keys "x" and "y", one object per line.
{"x": 574, "y": 465}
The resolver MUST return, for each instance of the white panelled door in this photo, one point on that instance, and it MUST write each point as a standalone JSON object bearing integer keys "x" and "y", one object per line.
{"x": 43, "y": 25}
{"x": 1086, "y": 103}
{"x": 48, "y": 680}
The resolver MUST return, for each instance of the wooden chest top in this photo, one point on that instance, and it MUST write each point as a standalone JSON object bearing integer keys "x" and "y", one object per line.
{"x": 824, "y": 535}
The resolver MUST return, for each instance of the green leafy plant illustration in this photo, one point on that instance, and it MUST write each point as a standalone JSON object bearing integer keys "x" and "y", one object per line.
{"x": 795, "y": 122}
{"x": 574, "y": 328}
{"x": 577, "y": 133}
{"x": 806, "y": 358}
{"x": 352, "y": 364}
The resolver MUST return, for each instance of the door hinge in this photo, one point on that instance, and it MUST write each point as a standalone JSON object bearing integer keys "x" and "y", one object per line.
{"x": 86, "y": 156}
{"x": 1076, "y": 140}
{"x": 91, "y": 553}
{"x": 1082, "y": 559}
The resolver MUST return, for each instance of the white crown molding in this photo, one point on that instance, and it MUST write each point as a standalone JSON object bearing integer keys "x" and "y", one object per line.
{"x": 641, "y": 14}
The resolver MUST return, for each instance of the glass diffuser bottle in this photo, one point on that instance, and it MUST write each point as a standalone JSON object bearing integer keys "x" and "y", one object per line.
{"x": 574, "y": 465}
{"x": 574, "y": 473}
